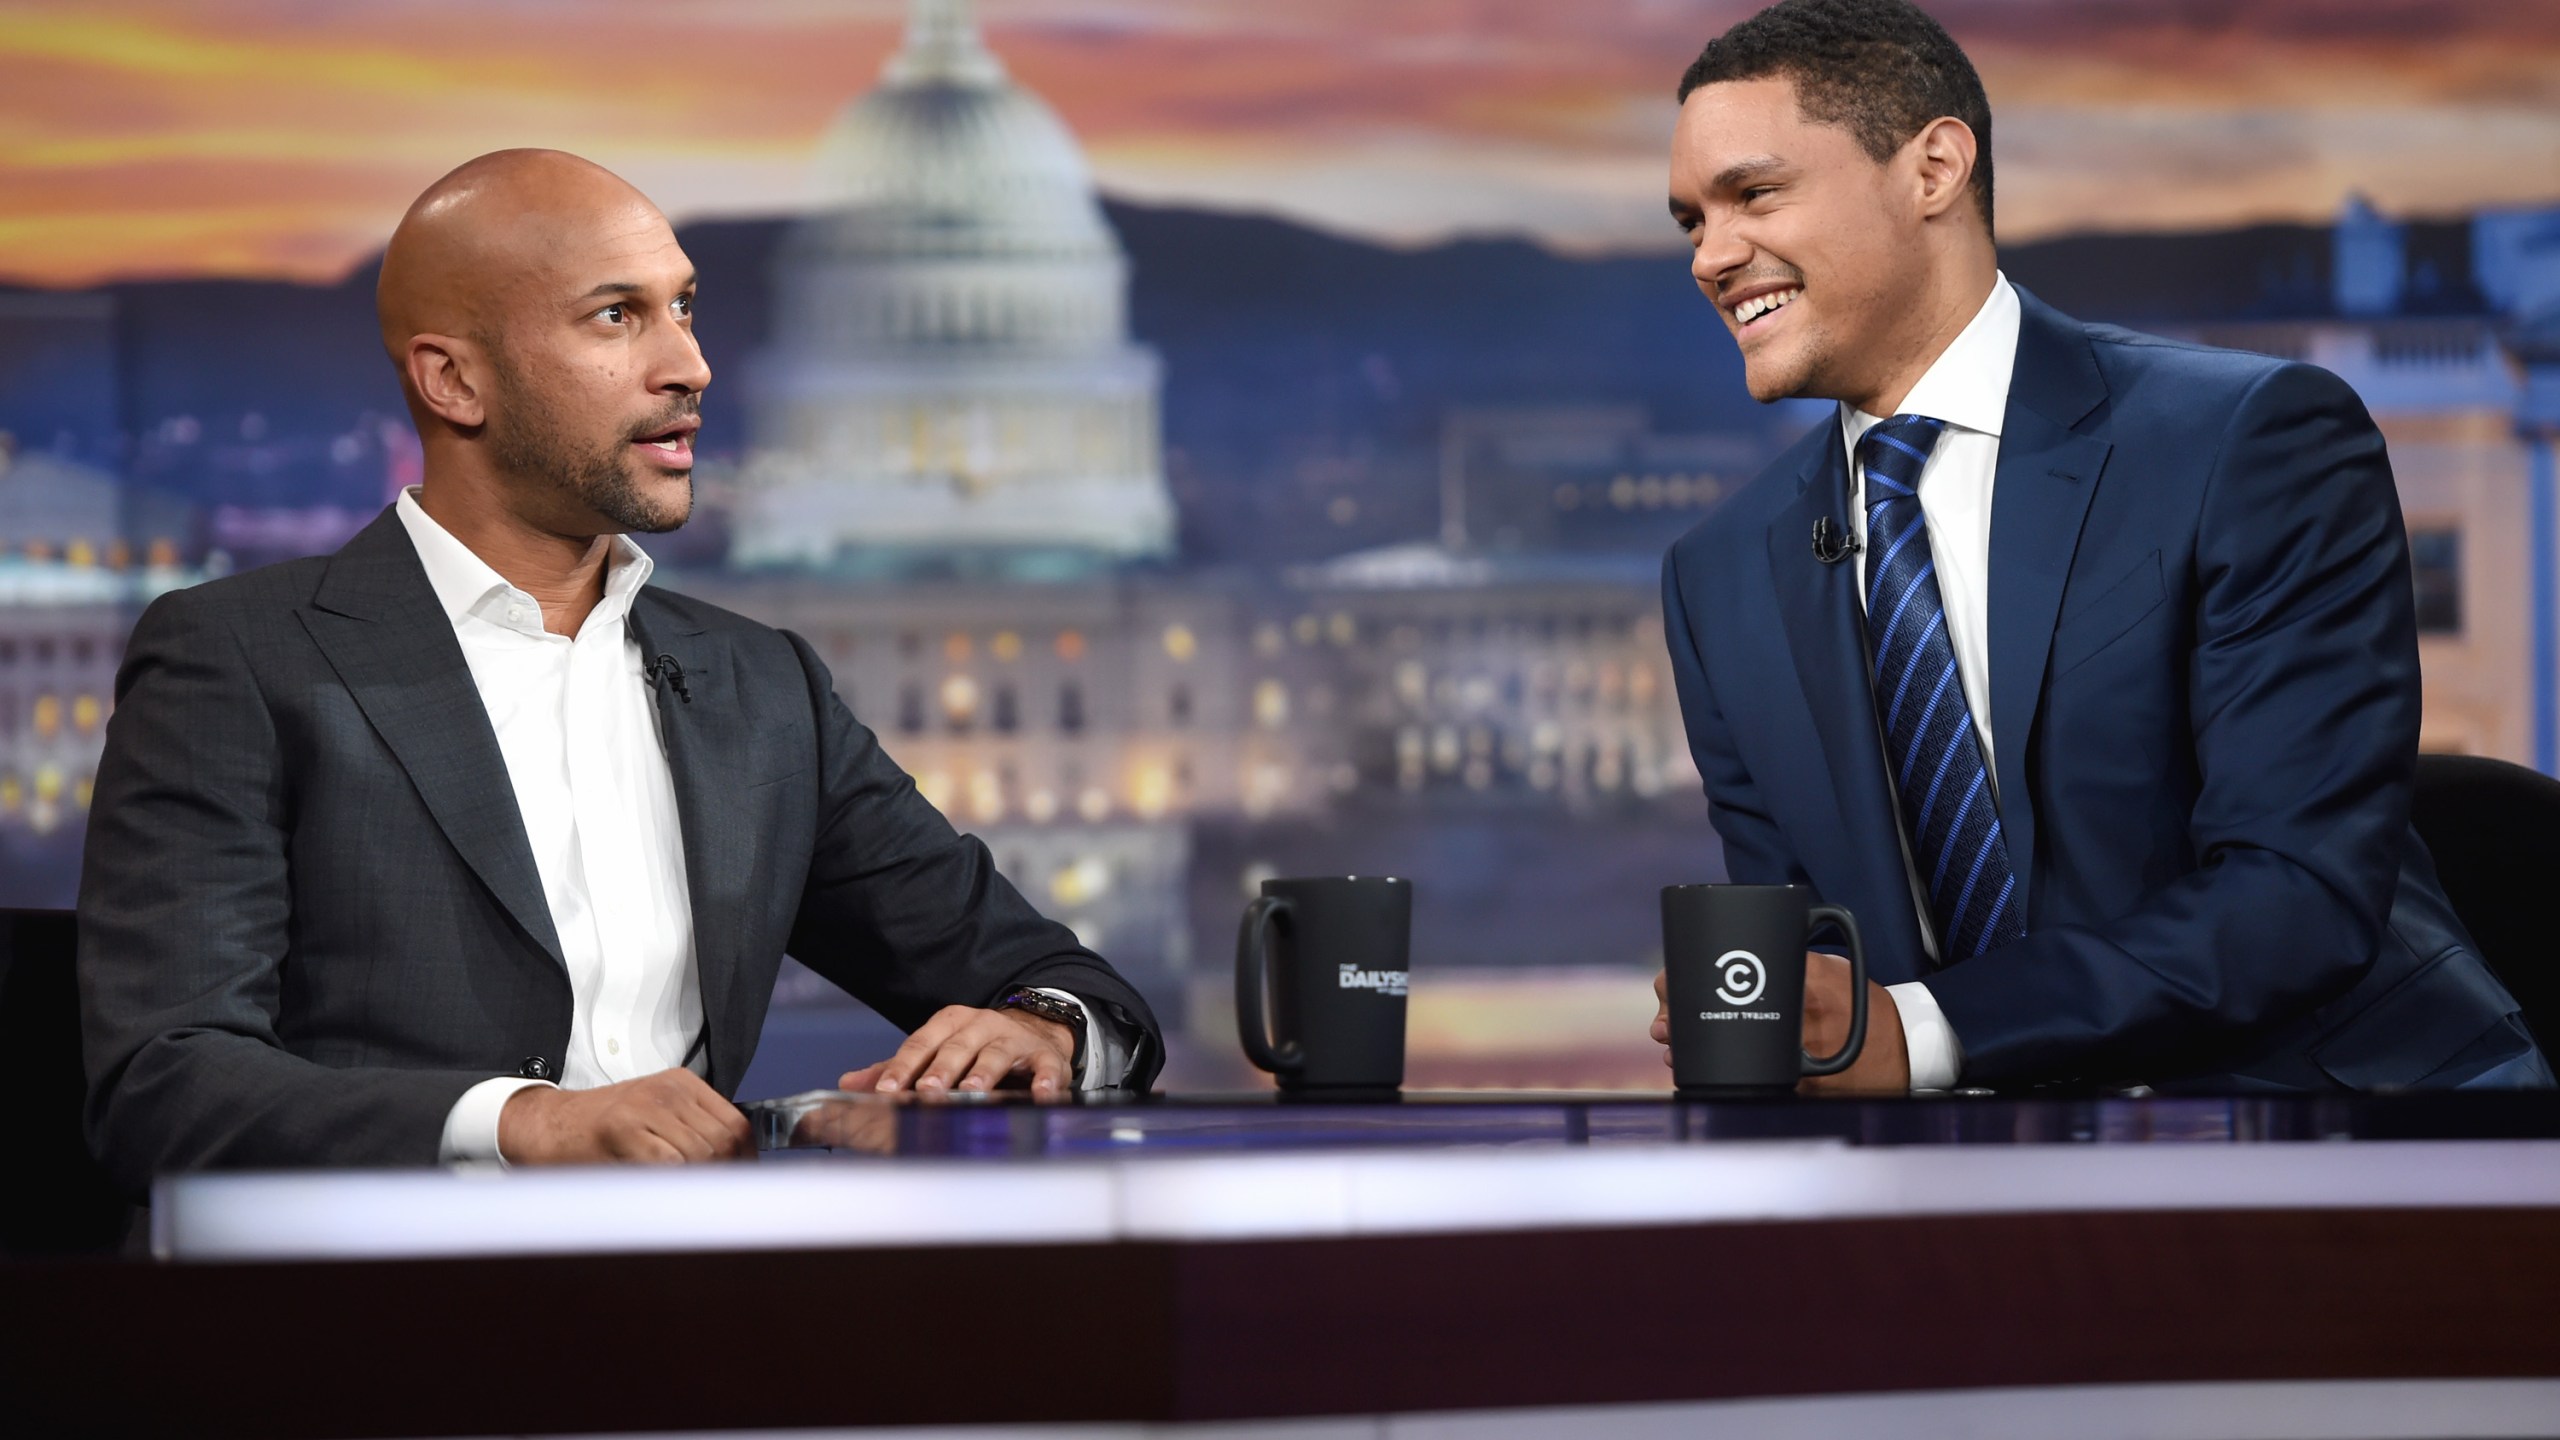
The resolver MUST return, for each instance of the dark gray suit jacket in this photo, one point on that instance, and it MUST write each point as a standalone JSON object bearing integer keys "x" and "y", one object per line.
{"x": 310, "y": 919}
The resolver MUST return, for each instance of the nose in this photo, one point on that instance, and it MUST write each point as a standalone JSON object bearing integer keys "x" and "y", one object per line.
{"x": 681, "y": 366}
{"x": 1717, "y": 252}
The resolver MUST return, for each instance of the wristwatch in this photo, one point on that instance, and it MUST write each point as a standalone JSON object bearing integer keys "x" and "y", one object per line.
{"x": 1051, "y": 1007}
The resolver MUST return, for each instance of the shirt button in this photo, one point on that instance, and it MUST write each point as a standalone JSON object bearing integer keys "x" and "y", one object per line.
{"x": 613, "y": 1047}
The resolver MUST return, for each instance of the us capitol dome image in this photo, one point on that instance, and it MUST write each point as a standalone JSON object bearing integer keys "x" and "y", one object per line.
{"x": 951, "y": 383}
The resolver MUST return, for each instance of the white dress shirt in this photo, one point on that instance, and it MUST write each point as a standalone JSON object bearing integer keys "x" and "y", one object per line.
{"x": 1967, "y": 387}
{"x": 577, "y": 724}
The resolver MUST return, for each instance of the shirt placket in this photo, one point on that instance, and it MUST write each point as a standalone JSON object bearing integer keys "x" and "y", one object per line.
{"x": 607, "y": 849}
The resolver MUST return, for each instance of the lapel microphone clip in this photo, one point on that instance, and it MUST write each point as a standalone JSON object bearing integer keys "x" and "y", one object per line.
{"x": 665, "y": 669}
{"x": 1832, "y": 542}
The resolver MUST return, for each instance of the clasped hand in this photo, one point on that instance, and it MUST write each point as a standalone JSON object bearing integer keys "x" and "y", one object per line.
{"x": 1882, "y": 1064}
{"x": 674, "y": 1116}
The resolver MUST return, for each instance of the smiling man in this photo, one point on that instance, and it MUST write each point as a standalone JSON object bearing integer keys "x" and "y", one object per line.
{"x": 468, "y": 843}
{"x": 2081, "y": 666}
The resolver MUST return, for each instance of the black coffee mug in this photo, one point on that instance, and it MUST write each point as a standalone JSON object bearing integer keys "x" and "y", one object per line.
{"x": 1330, "y": 952}
{"x": 1733, "y": 959}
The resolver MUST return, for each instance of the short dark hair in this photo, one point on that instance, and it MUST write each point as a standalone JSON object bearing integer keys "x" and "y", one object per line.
{"x": 1882, "y": 69}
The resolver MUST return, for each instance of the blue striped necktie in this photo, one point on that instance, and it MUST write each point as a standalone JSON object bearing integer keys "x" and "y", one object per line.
{"x": 1947, "y": 807}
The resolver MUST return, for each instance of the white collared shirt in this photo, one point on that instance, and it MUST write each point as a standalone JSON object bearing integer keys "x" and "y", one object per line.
{"x": 600, "y": 815}
{"x": 1967, "y": 387}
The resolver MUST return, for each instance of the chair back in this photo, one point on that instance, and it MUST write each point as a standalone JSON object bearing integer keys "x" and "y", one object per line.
{"x": 2494, "y": 829}
{"x": 56, "y": 1199}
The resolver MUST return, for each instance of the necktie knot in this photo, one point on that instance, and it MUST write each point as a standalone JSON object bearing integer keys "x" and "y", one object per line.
{"x": 1894, "y": 453}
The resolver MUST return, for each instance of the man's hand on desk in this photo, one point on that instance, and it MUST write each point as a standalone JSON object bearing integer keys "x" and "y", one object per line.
{"x": 962, "y": 1048}
{"x": 667, "y": 1118}
{"x": 1882, "y": 1065}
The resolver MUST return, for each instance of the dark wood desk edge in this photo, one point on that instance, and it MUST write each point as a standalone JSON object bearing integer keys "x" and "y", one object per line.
{"x": 1174, "y": 1332}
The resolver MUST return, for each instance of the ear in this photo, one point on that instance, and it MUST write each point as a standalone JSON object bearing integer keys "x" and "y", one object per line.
{"x": 448, "y": 374}
{"x": 1942, "y": 157}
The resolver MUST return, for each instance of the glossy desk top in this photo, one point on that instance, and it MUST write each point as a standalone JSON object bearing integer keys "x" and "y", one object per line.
{"x": 1119, "y": 1123}
{"x": 856, "y": 1173}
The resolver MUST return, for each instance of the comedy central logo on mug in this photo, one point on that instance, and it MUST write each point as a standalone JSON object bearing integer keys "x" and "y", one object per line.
{"x": 1742, "y": 978}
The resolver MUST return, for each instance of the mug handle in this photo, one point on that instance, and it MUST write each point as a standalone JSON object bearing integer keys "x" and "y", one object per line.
{"x": 1857, "y": 1040}
{"x": 1253, "y": 969}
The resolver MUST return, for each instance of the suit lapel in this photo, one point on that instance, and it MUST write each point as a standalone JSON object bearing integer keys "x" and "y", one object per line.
{"x": 377, "y": 621}
{"x": 706, "y": 735}
{"x": 1826, "y": 635}
{"x": 2040, "y": 497}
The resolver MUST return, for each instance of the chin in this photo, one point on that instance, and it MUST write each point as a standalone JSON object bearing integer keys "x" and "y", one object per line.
{"x": 1769, "y": 383}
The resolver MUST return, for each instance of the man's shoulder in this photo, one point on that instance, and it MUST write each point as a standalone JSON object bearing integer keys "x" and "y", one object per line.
{"x": 760, "y": 641}
{"x": 2125, "y": 351}
{"x": 267, "y": 594}
{"x": 1743, "y": 519}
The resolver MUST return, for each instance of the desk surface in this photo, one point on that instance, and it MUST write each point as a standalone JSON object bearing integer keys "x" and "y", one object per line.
{"x": 1205, "y": 1170}
{"x": 1117, "y": 1123}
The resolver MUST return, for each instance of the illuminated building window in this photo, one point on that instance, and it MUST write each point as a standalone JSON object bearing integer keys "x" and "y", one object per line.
{"x": 959, "y": 701}
{"x": 1007, "y": 646}
{"x": 1071, "y": 645}
{"x": 162, "y": 554}
{"x": 84, "y": 714}
{"x": 119, "y": 554}
{"x": 1178, "y": 705}
{"x": 955, "y": 648}
{"x": 1307, "y": 629}
{"x": 48, "y": 716}
{"x": 2435, "y": 564}
{"x": 80, "y": 554}
{"x": 1271, "y": 704}
{"x": 1180, "y": 643}
{"x": 1008, "y": 716}
{"x": 911, "y": 709}
{"x": 1071, "y": 708}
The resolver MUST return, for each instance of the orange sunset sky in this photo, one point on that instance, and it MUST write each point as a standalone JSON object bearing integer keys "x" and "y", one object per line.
{"x": 283, "y": 137}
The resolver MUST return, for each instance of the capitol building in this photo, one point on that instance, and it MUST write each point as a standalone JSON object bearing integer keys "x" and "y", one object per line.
{"x": 951, "y": 380}
{"x": 956, "y": 491}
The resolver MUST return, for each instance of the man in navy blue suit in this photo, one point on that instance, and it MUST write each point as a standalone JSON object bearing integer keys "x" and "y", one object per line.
{"x": 2080, "y": 665}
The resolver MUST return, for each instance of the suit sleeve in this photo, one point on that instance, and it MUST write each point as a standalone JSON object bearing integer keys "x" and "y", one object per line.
{"x": 1755, "y": 850}
{"x": 185, "y": 935}
{"x": 908, "y": 915}
{"x": 2303, "y": 709}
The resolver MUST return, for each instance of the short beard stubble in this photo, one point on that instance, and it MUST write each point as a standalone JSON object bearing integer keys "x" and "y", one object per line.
{"x": 527, "y": 439}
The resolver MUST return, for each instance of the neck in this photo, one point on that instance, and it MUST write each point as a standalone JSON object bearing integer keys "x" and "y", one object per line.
{"x": 563, "y": 573}
{"x": 1945, "y": 308}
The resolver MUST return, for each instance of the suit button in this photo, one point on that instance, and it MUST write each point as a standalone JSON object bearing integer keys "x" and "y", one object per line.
{"x": 535, "y": 1068}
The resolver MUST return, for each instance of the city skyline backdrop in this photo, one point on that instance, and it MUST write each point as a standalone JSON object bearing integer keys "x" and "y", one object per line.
{"x": 281, "y": 138}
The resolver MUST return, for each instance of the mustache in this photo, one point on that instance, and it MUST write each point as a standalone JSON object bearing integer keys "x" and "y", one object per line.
{"x": 683, "y": 408}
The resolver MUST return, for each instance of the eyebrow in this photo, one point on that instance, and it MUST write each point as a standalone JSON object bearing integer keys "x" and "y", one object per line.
{"x": 633, "y": 287}
{"x": 1732, "y": 176}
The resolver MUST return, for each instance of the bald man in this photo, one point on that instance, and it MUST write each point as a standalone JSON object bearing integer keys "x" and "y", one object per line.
{"x": 468, "y": 844}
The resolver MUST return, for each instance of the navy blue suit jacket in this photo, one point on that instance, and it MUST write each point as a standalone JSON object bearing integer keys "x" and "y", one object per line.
{"x": 2204, "y": 707}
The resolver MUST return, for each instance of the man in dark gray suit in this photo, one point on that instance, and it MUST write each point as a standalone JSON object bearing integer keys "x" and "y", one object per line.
{"x": 465, "y": 844}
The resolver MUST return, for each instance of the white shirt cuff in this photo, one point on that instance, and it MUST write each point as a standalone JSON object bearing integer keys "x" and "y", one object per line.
{"x": 471, "y": 1126}
{"x": 1937, "y": 1056}
{"x": 1106, "y": 1050}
